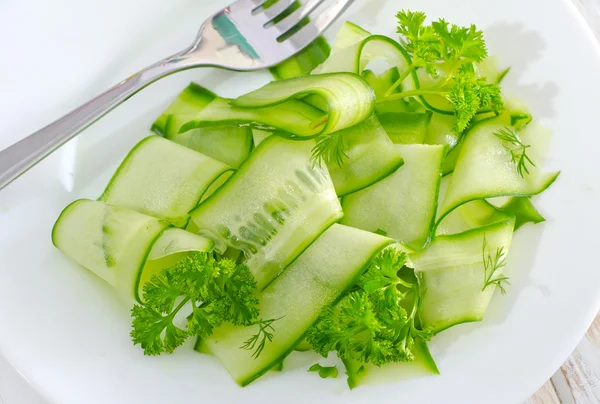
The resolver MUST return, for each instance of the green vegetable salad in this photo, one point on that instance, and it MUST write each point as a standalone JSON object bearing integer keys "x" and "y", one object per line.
{"x": 343, "y": 209}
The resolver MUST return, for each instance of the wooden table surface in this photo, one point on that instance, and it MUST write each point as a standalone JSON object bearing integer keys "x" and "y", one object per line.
{"x": 578, "y": 380}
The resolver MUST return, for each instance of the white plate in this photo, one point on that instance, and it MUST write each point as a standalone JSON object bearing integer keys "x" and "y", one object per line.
{"x": 68, "y": 334}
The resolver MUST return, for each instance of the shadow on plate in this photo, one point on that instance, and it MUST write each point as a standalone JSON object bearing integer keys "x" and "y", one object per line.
{"x": 519, "y": 48}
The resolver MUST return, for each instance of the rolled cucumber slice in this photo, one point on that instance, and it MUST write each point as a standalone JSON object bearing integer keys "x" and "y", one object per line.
{"x": 315, "y": 280}
{"x": 228, "y": 144}
{"x": 294, "y": 117}
{"x": 356, "y": 57}
{"x": 162, "y": 179}
{"x": 451, "y": 273}
{"x": 349, "y": 34}
{"x": 404, "y": 204}
{"x": 272, "y": 208}
{"x": 349, "y": 97}
{"x": 371, "y": 156}
{"x": 121, "y": 246}
{"x": 169, "y": 248}
{"x": 193, "y": 98}
{"x": 485, "y": 166}
{"x": 381, "y": 84}
{"x": 349, "y": 100}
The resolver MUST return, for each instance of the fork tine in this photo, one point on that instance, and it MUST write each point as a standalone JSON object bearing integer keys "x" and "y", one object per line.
{"x": 276, "y": 9}
{"x": 258, "y": 3}
{"x": 244, "y": 6}
{"x": 312, "y": 30}
{"x": 294, "y": 18}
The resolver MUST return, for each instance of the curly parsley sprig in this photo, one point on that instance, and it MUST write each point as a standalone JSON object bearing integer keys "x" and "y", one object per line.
{"x": 455, "y": 48}
{"x": 218, "y": 292}
{"x": 372, "y": 324}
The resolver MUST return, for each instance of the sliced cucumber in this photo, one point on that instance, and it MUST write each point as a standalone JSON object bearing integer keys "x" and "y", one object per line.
{"x": 485, "y": 167}
{"x": 162, "y": 179}
{"x": 272, "y": 208}
{"x": 303, "y": 346}
{"x": 193, "y": 98}
{"x": 123, "y": 247}
{"x": 381, "y": 84}
{"x": 421, "y": 79}
{"x": 451, "y": 274}
{"x": 440, "y": 131}
{"x": 472, "y": 215}
{"x": 523, "y": 210}
{"x": 294, "y": 117}
{"x": 406, "y": 127}
{"x": 168, "y": 249}
{"x": 489, "y": 68}
{"x": 303, "y": 62}
{"x": 356, "y": 57}
{"x": 228, "y": 144}
{"x": 260, "y": 135}
{"x": 349, "y": 97}
{"x": 404, "y": 204}
{"x": 369, "y": 374}
{"x": 218, "y": 183}
{"x": 371, "y": 156}
{"x": 315, "y": 280}
{"x": 451, "y": 159}
{"x": 233, "y": 254}
{"x": 348, "y": 35}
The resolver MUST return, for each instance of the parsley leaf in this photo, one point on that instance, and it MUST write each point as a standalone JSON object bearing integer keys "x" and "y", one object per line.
{"x": 460, "y": 43}
{"x": 371, "y": 323}
{"x": 470, "y": 94}
{"x": 455, "y": 50}
{"x": 421, "y": 41}
{"x": 324, "y": 371}
{"x": 218, "y": 292}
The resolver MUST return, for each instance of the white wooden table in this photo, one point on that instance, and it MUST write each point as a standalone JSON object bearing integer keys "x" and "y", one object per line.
{"x": 576, "y": 382}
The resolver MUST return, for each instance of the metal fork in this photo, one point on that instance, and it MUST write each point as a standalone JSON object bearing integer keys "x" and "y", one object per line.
{"x": 243, "y": 36}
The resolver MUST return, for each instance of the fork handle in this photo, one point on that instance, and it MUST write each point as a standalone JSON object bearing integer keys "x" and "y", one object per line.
{"x": 21, "y": 156}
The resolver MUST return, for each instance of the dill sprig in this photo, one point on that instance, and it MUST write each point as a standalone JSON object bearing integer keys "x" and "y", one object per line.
{"x": 258, "y": 341}
{"x": 517, "y": 149}
{"x": 492, "y": 263}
